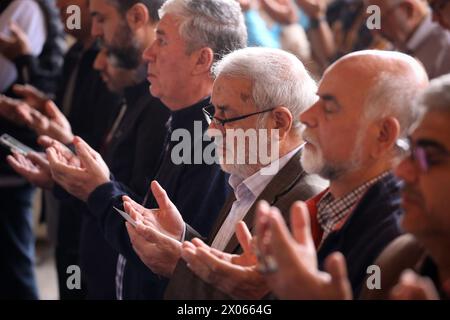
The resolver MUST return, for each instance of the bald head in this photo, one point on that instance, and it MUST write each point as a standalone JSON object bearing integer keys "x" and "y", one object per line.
{"x": 387, "y": 83}
{"x": 365, "y": 105}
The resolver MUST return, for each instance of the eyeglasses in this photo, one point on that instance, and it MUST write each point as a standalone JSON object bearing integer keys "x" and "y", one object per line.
{"x": 424, "y": 153}
{"x": 209, "y": 114}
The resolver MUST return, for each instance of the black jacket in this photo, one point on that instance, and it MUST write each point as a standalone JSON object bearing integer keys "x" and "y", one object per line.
{"x": 372, "y": 225}
{"x": 133, "y": 157}
{"x": 198, "y": 191}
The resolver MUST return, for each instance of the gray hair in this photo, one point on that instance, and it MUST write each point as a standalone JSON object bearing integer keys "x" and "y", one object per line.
{"x": 278, "y": 79}
{"x": 395, "y": 89}
{"x": 217, "y": 24}
{"x": 437, "y": 96}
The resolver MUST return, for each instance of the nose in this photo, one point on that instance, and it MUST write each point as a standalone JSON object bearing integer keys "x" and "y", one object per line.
{"x": 148, "y": 54}
{"x": 100, "y": 60}
{"x": 309, "y": 116}
{"x": 407, "y": 170}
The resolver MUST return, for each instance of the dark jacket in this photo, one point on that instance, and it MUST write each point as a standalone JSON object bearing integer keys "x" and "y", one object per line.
{"x": 198, "y": 191}
{"x": 372, "y": 225}
{"x": 289, "y": 185}
{"x": 127, "y": 155}
{"x": 93, "y": 108}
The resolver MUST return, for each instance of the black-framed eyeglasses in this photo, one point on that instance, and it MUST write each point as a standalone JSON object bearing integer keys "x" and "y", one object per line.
{"x": 209, "y": 115}
{"x": 423, "y": 153}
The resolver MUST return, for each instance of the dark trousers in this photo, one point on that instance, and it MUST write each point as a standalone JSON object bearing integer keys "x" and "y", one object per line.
{"x": 17, "y": 245}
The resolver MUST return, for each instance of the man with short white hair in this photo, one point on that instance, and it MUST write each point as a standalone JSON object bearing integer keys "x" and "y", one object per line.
{"x": 256, "y": 90}
{"x": 352, "y": 140}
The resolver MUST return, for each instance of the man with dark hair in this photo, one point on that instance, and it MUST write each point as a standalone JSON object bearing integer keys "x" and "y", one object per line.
{"x": 139, "y": 127}
{"x": 152, "y": 5}
{"x": 115, "y": 23}
{"x": 180, "y": 75}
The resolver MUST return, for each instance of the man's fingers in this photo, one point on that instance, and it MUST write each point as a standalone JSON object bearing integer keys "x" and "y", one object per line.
{"x": 262, "y": 224}
{"x": 86, "y": 156}
{"x": 160, "y": 195}
{"x": 39, "y": 122}
{"x": 150, "y": 234}
{"x": 413, "y": 287}
{"x": 188, "y": 254}
{"x": 28, "y": 90}
{"x": 216, "y": 264}
{"x": 131, "y": 231}
{"x": 59, "y": 169}
{"x": 15, "y": 163}
{"x": 136, "y": 206}
{"x": 4, "y": 40}
{"x": 202, "y": 263}
{"x": 188, "y": 245}
{"x": 188, "y": 251}
{"x": 79, "y": 141}
{"x": 20, "y": 36}
{"x": 300, "y": 224}
{"x": 39, "y": 159}
{"x": 280, "y": 238}
{"x": 21, "y": 165}
{"x": 46, "y": 142}
{"x": 244, "y": 237}
{"x": 137, "y": 240}
{"x": 16, "y": 30}
{"x": 20, "y": 89}
{"x": 52, "y": 111}
{"x": 134, "y": 214}
{"x": 336, "y": 266}
{"x": 199, "y": 243}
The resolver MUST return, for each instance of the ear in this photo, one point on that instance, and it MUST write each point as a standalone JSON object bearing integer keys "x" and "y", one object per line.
{"x": 137, "y": 16}
{"x": 282, "y": 121}
{"x": 388, "y": 133}
{"x": 203, "y": 61}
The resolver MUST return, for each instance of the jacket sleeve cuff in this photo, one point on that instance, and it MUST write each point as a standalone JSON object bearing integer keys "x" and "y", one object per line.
{"x": 190, "y": 233}
{"x": 100, "y": 199}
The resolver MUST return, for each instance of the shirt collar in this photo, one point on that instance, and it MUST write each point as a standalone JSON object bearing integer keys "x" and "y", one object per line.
{"x": 333, "y": 212}
{"x": 257, "y": 182}
{"x": 421, "y": 34}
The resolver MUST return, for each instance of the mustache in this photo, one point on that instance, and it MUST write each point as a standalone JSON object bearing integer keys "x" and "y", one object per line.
{"x": 309, "y": 137}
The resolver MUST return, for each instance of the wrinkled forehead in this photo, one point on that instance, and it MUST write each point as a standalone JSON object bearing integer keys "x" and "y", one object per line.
{"x": 232, "y": 88}
{"x": 349, "y": 83}
{"x": 169, "y": 27}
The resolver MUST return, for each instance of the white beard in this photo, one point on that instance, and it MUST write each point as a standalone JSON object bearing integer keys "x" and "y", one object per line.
{"x": 312, "y": 160}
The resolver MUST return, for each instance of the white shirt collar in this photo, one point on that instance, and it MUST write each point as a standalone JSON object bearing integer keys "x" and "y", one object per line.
{"x": 257, "y": 182}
